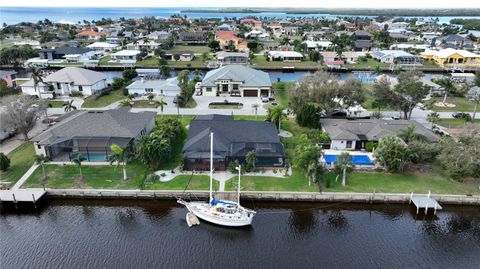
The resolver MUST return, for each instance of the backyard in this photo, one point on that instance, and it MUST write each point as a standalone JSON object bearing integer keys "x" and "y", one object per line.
{"x": 461, "y": 104}
{"x": 456, "y": 123}
{"x": 261, "y": 61}
{"x": 21, "y": 159}
{"x": 97, "y": 101}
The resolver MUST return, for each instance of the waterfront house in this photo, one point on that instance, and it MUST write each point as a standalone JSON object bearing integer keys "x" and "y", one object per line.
{"x": 69, "y": 54}
{"x": 354, "y": 134}
{"x": 285, "y": 56}
{"x": 194, "y": 38}
{"x": 103, "y": 46}
{"x": 157, "y": 87}
{"x": 125, "y": 56}
{"x": 179, "y": 55}
{"x": 229, "y": 37}
{"x": 224, "y": 57}
{"x": 346, "y": 57}
{"x": 452, "y": 57}
{"x": 233, "y": 139}
{"x": 236, "y": 80}
{"x": 398, "y": 57}
{"x": 9, "y": 77}
{"x": 88, "y": 34}
{"x": 362, "y": 45}
{"x": 92, "y": 132}
{"x": 316, "y": 45}
{"x": 453, "y": 42}
{"x": 140, "y": 44}
{"x": 66, "y": 81}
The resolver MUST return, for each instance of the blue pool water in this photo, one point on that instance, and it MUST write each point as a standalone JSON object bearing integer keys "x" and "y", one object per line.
{"x": 356, "y": 159}
{"x": 93, "y": 156}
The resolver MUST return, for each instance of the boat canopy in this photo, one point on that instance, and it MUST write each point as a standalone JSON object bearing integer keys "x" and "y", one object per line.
{"x": 215, "y": 202}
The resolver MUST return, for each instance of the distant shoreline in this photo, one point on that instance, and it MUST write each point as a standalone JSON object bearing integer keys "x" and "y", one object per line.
{"x": 346, "y": 11}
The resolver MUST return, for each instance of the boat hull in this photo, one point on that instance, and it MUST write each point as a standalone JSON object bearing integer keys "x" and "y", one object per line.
{"x": 194, "y": 208}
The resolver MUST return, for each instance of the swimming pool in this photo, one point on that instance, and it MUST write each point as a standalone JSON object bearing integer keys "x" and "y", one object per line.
{"x": 92, "y": 156}
{"x": 356, "y": 159}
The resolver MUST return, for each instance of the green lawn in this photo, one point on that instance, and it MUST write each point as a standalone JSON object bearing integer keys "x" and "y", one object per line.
{"x": 143, "y": 104}
{"x": 370, "y": 63}
{"x": 99, "y": 177}
{"x": 461, "y": 104}
{"x": 21, "y": 81}
{"x": 455, "y": 123}
{"x": 153, "y": 62}
{"x": 282, "y": 92}
{"x": 21, "y": 159}
{"x": 104, "y": 60}
{"x": 95, "y": 101}
{"x": 198, "y": 182}
{"x": 195, "y": 49}
{"x": 431, "y": 64}
{"x": 261, "y": 61}
{"x": 401, "y": 183}
{"x": 56, "y": 103}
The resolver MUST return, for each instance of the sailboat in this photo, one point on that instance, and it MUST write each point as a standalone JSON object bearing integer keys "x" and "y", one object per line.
{"x": 220, "y": 212}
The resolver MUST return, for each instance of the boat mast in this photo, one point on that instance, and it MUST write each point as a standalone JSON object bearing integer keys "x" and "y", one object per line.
{"x": 238, "y": 190}
{"x": 211, "y": 165}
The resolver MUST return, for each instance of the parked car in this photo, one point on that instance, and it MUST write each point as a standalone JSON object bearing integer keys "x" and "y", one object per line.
{"x": 338, "y": 114}
{"x": 264, "y": 99}
{"x": 459, "y": 115}
{"x": 177, "y": 99}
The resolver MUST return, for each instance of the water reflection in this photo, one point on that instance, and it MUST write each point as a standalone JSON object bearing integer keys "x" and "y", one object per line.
{"x": 337, "y": 221}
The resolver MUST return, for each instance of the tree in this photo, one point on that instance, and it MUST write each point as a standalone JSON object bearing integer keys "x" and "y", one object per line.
{"x": 408, "y": 135}
{"x": 21, "y": 114}
{"x": 473, "y": 95}
{"x": 119, "y": 155}
{"x": 118, "y": 83}
{"x": 68, "y": 106}
{"x": 154, "y": 148}
{"x": 129, "y": 74}
{"x": 214, "y": 45}
{"x": 4, "y": 89}
{"x": 40, "y": 160}
{"x": 306, "y": 155}
{"x": 343, "y": 164}
{"x": 253, "y": 45}
{"x": 186, "y": 89}
{"x": 433, "y": 118}
{"x": 231, "y": 46}
{"x": 125, "y": 103}
{"x": 405, "y": 96}
{"x": 161, "y": 104}
{"x": 79, "y": 158}
{"x": 251, "y": 160}
{"x": 164, "y": 69}
{"x": 391, "y": 153}
{"x": 314, "y": 56}
{"x": 309, "y": 116}
{"x": 255, "y": 108}
{"x": 275, "y": 115}
{"x": 448, "y": 86}
{"x": 36, "y": 76}
{"x": 4, "y": 162}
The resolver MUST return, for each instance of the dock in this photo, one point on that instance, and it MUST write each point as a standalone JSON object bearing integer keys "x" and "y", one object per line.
{"x": 425, "y": 203}
{"x": 21, "y": 195}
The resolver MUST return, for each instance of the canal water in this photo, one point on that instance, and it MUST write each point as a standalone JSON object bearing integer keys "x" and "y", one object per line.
{"x": 154, "y": 234}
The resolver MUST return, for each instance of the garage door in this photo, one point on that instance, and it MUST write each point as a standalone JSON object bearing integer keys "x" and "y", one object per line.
{"x": 250, "y": 93}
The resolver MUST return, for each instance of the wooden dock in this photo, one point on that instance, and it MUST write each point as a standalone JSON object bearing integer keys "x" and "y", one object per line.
{"x": 425, "y": 203}
{"x": 21, "y": 195}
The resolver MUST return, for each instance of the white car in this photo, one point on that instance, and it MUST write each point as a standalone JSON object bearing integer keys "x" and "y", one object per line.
{"x": 264, "y": 99}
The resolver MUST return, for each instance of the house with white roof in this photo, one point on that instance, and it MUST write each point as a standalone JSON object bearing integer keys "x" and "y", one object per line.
{"x": 157, "y": 87}
{"x": 125, "y": 56}
{"x": 398, "y": 57}
{"x": 285, "y": 56}
{"x": 67, "y": 81}
{"x": 316, "y": 45}
{"x": 102, "y": 46}
{"x": 236, "y": 80}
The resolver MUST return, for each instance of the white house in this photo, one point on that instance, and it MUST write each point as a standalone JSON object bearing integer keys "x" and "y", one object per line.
{"x": 125, "y": 56}
{"x": 236, "y": 80}
{"x": 150, "y": 45}
{"x": 285, "y": 56}
{"x": 103, "y": 46}
{"x": 67, "y": 81}
{"x": 157, "y": 87}
{"x": 317, "y": 45}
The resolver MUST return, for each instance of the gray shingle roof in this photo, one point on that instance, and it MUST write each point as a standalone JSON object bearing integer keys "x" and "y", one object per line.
{"x": 78, "y": 76}
{"x": 372, "y": 129}
{"x": 69, "y": 50}
{"x": 97, "y": 123}
{"x": 249, "y": 76}
{"x": 231, "y": 137}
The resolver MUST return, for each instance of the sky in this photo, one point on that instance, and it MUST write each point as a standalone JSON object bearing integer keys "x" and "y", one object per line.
{"x": 252, "y": 3}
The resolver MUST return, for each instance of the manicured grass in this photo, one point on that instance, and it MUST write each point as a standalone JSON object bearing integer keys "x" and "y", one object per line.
{"x": 461, "y": 104}
{"x": 456, "y": 123}
{"x": 153, "y": 62}
{"x": 21, "y": 81}
{"x": 400, "y": 183}
{"x": 297, "y": 182}
{"x": 102, "y": 101}
{"x": 143, "y": 104}
{"x": 225, "y": 106}
{"x": 67, "y": 64}
{"x": 198, "y": 182}
{"x": 21, "y": 159}
{"x": 97, "y": 177}
{"x": 369, "y": 63}
{"x": 56, "y": 104}
{"x": 195, "y": 49}
{"x": 282, "y": 92}
{"x": 431, "y": 64}
{"x": 104, "y": 60}
{"x": 261, "y": 61}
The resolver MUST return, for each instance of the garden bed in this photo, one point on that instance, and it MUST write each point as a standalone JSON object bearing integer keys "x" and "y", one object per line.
{"x": 225, "y": 105}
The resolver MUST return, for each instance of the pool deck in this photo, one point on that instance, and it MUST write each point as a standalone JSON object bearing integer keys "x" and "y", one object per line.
{"x": 352, "y": 153}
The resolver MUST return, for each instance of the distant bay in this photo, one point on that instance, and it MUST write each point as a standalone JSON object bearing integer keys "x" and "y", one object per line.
{"x": 13, "y": 15}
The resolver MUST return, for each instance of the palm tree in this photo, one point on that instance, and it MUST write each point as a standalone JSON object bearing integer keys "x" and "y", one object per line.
{"x": 408, "y": 135}
{"x": 145, "y": 40}
{"x": 78, "y": 161}
{"x": 311, "y": 171}
{"x": 36, "y": 76}
{"x": 68, "y": 106}
{"x": 150, "y": 98}
{"x": 125, "y": 103}
{"x": 255, "y": 107}
{"x": 251, "y": 159}
{"x": 447, "y": 85}
{"x": 161, "y": 104}
{"x": 473, "y": 95}
{"x": 433, "y": 118}
{"x": 40, "y": 160}
{"x": 119, "y": 156}
{"x": 343, "y": 163}
{"x": 276, "y": 114}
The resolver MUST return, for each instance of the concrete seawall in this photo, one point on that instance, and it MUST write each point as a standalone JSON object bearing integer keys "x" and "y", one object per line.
{"x": 396, "y": 198}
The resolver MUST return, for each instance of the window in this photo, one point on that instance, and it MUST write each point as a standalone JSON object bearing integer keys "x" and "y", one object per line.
{"x": 149, "y": 90}
{"x": 349, "y": 144}
{"x": 235, "y": 87}
{"x": 80, "y": 88}
{"x": 209, "y": 89}
{"x": 39, "y": 147}
{"x": 59, "y": 86}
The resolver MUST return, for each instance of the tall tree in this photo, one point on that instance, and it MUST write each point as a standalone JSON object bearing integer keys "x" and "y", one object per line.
{"x": 276, "y": 114}
{"x": 78, "y": 161}
{"x": 21, "y": 114}
{"x": 409, "y": 135}
{"x": 342, "y": 165}
{"x": 40, "y": 159}
{"x": 186, "y": 89}
{"x": 433, "y": 118}
{"x": 119, "y": 156}
{"x": 448, "y": 86}
{"x": 473, "y": 95}
{"x": 255, "y": 108}
{"x": 36, "y": 76}
{"x": 160, "y": 104}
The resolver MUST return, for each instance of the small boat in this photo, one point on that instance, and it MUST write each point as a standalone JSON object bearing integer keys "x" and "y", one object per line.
{"x": 191, "y": 219}
{"x": 220, "y": 212}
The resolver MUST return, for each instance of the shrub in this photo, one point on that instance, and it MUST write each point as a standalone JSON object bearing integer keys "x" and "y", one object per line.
{"x": 392, "y": 153}
{"x": 125, "y": 91}
{"x": 76, "y": 94}
{"x": 421, "y": 152}
{"x": 370, "y": 145}
{"x": 129, "y": 74}
{"x": 309, "y": 116}
{"x": 232, "y": 166}
{"x": 4, "y": 162}
{"x": 118, "y": 83}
